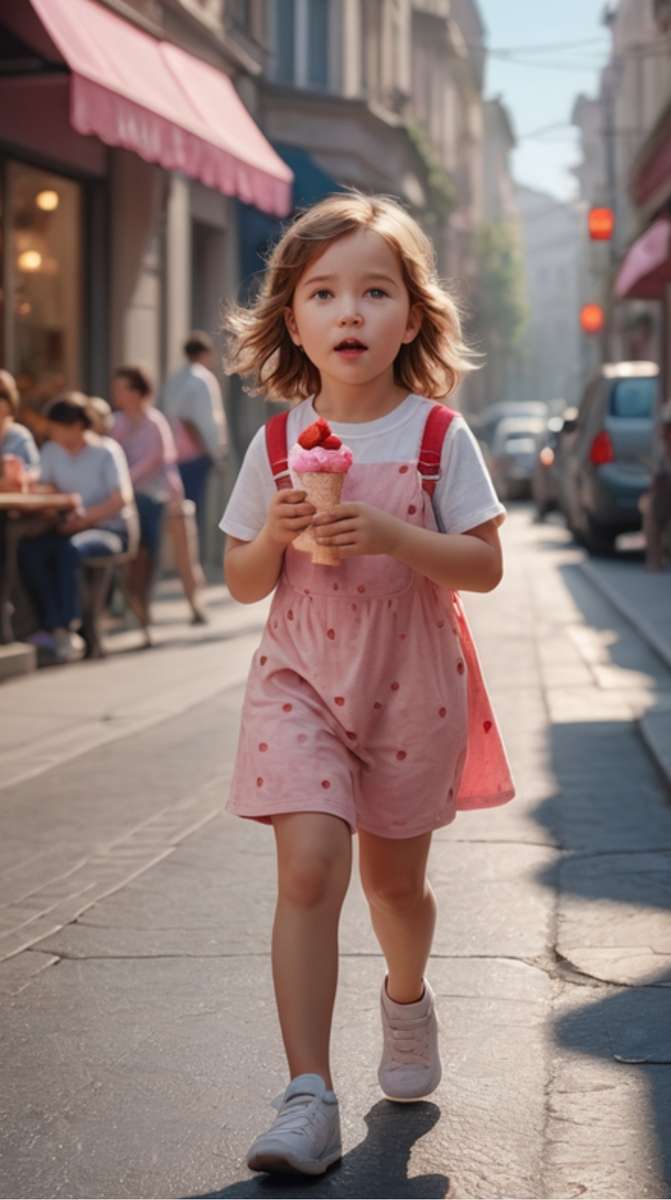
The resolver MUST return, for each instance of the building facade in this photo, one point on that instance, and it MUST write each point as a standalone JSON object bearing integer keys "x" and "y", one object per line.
{"x": 118, "y": 191}
{"x": 548, "y": 368}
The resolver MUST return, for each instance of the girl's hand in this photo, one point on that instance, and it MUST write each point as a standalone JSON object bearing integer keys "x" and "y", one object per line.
{"x": 358, "y": 529}
{"x": 289, "y": 514}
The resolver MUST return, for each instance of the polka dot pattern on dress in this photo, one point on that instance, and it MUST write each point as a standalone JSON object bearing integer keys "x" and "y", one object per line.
{"x": 263, "y": 660}
{"x": 330, "y": 633}
{"x": 287, "y": 708}
{"x": 486, "y": 725}
{"x": 259, "y": 781}
{"x": 401, "y": 755}
{"x": 326, "y": 783}
{"x": 460, "y": 667}
{"x": 263, "y": 746}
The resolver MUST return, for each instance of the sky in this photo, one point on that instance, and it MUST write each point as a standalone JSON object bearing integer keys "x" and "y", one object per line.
{"x": 542, "y": 94}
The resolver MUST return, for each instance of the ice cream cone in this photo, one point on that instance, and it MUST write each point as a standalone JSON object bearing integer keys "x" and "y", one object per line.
{"x": 323, "y": 490}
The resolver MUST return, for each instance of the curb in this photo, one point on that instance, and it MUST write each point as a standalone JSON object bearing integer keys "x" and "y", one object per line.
{"x": 655, "y": 725}
{"x": 659, "y": 645}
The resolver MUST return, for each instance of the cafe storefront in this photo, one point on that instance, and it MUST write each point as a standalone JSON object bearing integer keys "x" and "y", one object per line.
{"x": 121, "y": 155}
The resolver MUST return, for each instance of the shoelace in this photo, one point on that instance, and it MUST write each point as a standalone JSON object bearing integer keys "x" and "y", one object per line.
{"x": 409, "y": 1041}
{"x": 296, "y": 1115}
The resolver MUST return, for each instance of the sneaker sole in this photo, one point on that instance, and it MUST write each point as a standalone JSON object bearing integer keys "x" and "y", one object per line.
{"x": 412, "y": 1099}
{"x": 282, "y": 1163}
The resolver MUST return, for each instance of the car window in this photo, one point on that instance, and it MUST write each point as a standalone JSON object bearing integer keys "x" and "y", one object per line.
{"x": 519, "y": 445}
{"x": 633, "y": 399}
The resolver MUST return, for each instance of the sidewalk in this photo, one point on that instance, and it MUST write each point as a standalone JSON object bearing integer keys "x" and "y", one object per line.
{"x": 644, "y": 599}
{"x": 63, "y": 712}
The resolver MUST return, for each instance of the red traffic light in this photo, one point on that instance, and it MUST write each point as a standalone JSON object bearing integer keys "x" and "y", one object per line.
{"x": 591, "y": 318}
{"x": 601, "y": 222}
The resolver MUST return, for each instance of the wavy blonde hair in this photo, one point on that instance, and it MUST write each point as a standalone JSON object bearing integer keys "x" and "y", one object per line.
{"x": 258, "y": 343}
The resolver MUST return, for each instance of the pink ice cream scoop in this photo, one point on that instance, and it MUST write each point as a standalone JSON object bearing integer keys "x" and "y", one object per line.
{"x": 336, "y": 462}
{"x": 320, "y": 462}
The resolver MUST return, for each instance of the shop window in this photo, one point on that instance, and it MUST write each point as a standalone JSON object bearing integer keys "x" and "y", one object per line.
{"x": 43, "y": 277}
{"x": 318, "y": 44}
{"x": 284, "y": 12}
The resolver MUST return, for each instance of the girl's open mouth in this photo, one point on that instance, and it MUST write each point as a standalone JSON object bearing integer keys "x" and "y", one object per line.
{"x": 350, "y": 348}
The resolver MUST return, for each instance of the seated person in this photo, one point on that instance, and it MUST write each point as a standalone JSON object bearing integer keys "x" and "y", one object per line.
{"x": 74, "y": 460}
{"x": 17, "y": 445}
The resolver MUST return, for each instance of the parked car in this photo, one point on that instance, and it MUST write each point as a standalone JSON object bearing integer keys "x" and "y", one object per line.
{"x": 512, "y": 454}
{"x": 545, "y": 481}
{"x": 606, "y": 456}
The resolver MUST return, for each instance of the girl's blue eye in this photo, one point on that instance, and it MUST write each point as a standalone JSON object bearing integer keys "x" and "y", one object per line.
{"x": 320, "y": 293}
{"x": 378, "y": 292}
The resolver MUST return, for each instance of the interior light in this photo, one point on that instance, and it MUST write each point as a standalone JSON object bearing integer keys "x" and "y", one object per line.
{"x": 30, "y": 260}
{"x": 48, "y": 200}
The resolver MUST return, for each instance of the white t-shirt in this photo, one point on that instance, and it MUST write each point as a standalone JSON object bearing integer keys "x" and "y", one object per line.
{"x": 463, "y": 498}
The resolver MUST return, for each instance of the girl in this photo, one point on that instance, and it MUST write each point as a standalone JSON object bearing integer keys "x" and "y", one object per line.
{"x": 365, "y": 709}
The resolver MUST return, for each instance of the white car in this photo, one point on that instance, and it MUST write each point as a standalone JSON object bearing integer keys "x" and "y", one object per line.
{"x": 512, "y": 456}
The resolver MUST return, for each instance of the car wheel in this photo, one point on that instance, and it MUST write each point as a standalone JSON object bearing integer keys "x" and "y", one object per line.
{"x": 598, "y": 542}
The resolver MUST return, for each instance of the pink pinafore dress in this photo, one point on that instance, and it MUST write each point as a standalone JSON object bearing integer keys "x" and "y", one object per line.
{"x": 365, "y": 699}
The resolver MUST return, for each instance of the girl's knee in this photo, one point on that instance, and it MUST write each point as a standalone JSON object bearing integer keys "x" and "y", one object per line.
{"x": 312, "y": 878}
{"x": 395, "y": 894}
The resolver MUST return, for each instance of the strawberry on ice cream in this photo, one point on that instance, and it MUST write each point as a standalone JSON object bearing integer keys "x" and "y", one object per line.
{"x": 319, "y": 461}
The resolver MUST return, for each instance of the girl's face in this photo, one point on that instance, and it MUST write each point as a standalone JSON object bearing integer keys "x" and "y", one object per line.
{"x": 351, "y": 310}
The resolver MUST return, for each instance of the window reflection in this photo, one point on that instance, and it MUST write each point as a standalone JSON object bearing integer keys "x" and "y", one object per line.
{"x": 45, "y": 267}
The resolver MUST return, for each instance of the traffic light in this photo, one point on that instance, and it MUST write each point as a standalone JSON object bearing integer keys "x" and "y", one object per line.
{"x": 601, "y": 222}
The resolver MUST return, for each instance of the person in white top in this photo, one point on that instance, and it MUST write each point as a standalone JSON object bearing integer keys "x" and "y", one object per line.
{"x": 191, "y": 400}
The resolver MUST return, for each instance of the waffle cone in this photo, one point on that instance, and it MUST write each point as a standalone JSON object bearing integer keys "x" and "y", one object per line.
{"x": 323, "y": 489}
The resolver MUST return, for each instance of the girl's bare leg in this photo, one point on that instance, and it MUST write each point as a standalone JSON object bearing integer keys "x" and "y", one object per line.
{"x": 402, "y": 907}
{"x": 314, "y": 861}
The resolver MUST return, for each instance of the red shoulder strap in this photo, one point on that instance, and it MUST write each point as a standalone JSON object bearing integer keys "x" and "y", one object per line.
{"x": 437, "y": 424}
{"x": 276, "y": 445}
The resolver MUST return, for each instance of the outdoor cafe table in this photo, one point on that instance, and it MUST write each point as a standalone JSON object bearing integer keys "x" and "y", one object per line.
{"x": 22, "y": 513}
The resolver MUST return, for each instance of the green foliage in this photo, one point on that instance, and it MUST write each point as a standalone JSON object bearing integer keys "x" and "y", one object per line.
{"x": 442, "y": 194}
{"x": 498, "y": 305}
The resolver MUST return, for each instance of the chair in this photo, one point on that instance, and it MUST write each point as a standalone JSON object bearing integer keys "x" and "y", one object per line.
{"x": 98, "y": 573}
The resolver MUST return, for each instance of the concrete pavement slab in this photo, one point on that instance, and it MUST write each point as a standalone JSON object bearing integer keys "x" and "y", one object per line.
{"x": 608, "y": 1090}
{"x": 150, "y": 1078}
{"x": 614, "y": 923}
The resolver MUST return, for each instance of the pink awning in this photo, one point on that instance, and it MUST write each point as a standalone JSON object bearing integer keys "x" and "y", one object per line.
{"x": 647, "y": 264}
{"x": 173, "y": 109}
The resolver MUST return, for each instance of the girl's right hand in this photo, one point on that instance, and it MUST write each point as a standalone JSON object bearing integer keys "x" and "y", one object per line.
{"x": 289, "y": 514}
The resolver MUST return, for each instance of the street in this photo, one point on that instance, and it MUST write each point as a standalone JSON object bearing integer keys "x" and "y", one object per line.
{"x": 140, "y": 1046}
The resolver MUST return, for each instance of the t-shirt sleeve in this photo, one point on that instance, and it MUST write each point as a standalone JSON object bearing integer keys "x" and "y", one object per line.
{"x": 26, "y": 449}
{"x": 47, "y": 464}
{"x": 110, "y": 472}
{"x": 464, "y": 495}
{"x": 247, "y": 508}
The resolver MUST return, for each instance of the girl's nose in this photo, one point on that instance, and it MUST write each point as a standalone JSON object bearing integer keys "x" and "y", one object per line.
{"x": 350, "y": 317}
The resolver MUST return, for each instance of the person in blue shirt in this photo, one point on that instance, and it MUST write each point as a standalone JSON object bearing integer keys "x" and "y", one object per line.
{"x": 15, "y": 439}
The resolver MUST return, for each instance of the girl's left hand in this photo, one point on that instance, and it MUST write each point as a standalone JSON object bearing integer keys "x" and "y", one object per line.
{"x": 356, "y": 528}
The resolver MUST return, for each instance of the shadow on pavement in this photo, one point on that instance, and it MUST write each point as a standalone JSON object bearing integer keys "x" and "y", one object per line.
{"x": 615, "y": 830}
{"x": 377, "y": 1168}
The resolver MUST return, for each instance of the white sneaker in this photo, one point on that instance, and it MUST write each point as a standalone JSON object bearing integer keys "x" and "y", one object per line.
{"x": 305, "y": 1136}
{"x": 69, "y": 646}
{"x": 410, "y": 1068}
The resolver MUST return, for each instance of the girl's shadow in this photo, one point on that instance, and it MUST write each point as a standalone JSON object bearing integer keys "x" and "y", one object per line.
{"x": 378, "y": 1167}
